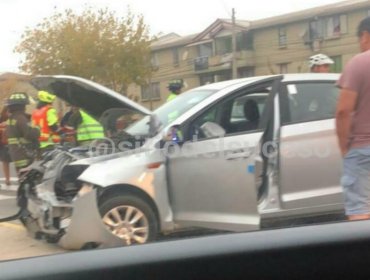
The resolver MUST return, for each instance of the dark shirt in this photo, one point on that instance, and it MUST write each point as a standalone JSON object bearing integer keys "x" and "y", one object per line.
{"x": 18, "y": 128}
{"x": 74, "y": 120}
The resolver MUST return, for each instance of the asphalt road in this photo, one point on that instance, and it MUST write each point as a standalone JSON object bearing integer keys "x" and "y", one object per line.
{"x": 8, "y": 205}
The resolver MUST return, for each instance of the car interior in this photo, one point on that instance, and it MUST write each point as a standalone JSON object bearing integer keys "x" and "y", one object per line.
{"x": 239, "y": 114}
{"x": 309, "y": 102}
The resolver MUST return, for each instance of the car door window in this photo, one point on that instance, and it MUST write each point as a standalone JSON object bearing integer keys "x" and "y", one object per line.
{"x": 311, "y": 101}
{"x": 237, "y": 115}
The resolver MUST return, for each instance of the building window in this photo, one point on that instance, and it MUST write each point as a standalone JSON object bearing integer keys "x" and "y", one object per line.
{"x": 154, "y": 60}
{"x": 282, "y": 37}
{"x": 152, "y": 92}
{"x": 244, "y": 41}
{"x": 283, "y": 68}
{"x": 176, "y": 56}
{"x": 337, "y": 67}
{"x": 223, "y": 45}
{"x": 328, "y": 27}
{"x": 316, "y": 29}
{"x": 332, "y": 25}
{"x": 205, "y": 50}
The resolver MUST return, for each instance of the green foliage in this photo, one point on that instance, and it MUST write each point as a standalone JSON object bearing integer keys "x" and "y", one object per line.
{"x": 97, "y": 45}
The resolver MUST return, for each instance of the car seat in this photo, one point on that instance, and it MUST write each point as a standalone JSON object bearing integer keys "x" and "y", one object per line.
{"x": 252, "y": 115}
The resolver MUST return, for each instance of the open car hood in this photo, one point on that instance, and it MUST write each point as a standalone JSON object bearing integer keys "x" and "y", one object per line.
{"x": 93, "y": 98}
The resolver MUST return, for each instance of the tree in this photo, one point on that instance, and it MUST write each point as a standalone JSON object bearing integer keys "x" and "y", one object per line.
{"x": 97, "y": 45}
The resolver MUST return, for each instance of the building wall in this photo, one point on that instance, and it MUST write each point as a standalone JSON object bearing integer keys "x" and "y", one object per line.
{"x": 266, "y": 58}
{"x": 269, "y": 55}
{"x": 166, "y": 71}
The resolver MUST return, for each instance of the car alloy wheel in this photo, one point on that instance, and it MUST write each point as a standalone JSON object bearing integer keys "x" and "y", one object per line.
{"x": 128, "y": 223}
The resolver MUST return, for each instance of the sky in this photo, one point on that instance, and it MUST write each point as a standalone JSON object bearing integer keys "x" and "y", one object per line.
{"x": 162, "y": 16}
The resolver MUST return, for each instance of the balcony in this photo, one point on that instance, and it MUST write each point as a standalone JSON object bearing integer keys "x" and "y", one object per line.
{"x": 245, "y": 58}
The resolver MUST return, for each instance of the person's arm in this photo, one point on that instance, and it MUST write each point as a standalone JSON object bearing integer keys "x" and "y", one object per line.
{"x": 345, "y": 107}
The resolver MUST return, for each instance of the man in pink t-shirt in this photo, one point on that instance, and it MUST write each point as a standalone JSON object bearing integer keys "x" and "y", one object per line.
{"x": 353, "y": 128}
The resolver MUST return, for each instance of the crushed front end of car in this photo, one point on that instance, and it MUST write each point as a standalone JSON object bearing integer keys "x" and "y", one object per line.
{"x": 60, "y": 209}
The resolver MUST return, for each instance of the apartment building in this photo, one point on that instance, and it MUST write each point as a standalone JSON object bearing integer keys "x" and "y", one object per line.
{"x": 275, "y": 45}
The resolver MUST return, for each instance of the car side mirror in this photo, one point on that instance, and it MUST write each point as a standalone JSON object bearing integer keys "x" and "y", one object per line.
{"x": 211, "y": 130}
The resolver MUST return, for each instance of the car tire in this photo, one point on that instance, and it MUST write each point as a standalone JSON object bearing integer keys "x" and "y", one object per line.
{"x": 134, "y": 213}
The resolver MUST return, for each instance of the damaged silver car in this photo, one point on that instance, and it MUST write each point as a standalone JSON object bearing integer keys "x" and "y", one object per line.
{"x": 48, "y": 186}
{"x": 230, "y": 156}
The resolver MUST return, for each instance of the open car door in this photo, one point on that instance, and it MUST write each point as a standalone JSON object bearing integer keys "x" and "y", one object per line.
{"x": 212, "y": 181}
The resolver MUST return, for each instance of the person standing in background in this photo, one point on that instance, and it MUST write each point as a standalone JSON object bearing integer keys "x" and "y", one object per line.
{"x": 46, "y": 119}
{"x": 320, "y": 63}
{"x": 23, "y": 139}
{"x": 87, "y": 128}
{"x": 174, "y": 87}
{"x": 353, "y": 128}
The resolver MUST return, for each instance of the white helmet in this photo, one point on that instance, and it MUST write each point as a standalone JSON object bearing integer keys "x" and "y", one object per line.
{"x": 319, "y": 59}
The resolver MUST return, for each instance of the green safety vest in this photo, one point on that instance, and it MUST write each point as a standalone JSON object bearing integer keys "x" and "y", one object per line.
{"x": 89, "y": 129}
{"x": 171, "y": 96}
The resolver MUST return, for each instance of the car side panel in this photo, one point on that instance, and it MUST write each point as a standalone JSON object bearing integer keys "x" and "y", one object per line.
{"x": 310, "y": 165}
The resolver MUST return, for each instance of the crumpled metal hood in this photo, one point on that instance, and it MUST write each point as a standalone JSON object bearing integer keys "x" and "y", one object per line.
{"x": 93, "y": 98}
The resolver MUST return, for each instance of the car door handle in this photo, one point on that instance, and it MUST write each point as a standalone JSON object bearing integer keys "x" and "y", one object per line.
{"x": 237, "y": 154}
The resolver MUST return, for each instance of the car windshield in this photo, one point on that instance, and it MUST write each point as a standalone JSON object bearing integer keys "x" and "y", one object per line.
{"x": 170, "y": 111}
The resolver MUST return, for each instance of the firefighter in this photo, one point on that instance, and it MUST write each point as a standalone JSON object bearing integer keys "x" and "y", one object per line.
{"x": 46, "y": 119}
{"x": 87, "y": 128}
{"x": 23, "y": 139}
